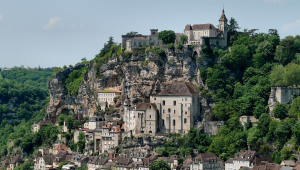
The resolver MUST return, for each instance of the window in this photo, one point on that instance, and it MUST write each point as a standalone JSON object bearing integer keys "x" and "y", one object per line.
{"x": 150, "y": 116}
{"x": 185, "y": 112}
{"x": 149, "y": 123}
{"x": 163, "y": 122}
{"x": 184, "y": 120}
{"x": 163, "y": 111}
{"x": 164, "y": 102}
{"x": 174, "y": 111}
{"x": 185, "y": 99}
{"x": 174, "y": 103}
{"x": 185, "y": 105}
{"x": 154, "y": 98}
{"x": 173, "y": 122}
{"x": 169, "y": 110}
{"x": 134, "y": 44}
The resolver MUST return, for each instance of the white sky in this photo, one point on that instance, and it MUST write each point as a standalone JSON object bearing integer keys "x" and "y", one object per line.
{"x": 56, "y": 33}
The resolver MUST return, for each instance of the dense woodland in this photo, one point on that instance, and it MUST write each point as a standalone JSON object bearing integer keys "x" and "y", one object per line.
{"x": 238, "y": 79}
{"x": 23, "y": 99}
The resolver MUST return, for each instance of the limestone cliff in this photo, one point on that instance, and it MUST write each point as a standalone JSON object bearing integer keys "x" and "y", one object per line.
{"x": 138, "y": 77}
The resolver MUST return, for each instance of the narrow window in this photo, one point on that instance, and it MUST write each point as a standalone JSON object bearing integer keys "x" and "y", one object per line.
{"x": 169, "y": 110}
{"x": 174, "y": 103}
{"x": 173, "y": 122}
{"x": 150, "y": 116}
{"x": 174, "y": 111}
{"x": 184, "y": 120}
{"x": 164, "y": 103}
{"x": 163, "y": 122}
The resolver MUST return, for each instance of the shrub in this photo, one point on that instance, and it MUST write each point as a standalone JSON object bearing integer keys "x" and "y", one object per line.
{"x": 171, "y": 46}
{"x": 74, "y": 80}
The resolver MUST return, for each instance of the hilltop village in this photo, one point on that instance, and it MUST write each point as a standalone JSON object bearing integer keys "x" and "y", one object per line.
{"x": 138, "y": 101}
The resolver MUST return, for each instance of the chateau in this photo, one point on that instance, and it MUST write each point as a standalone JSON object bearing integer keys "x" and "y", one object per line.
{"x": 196, "y": 36}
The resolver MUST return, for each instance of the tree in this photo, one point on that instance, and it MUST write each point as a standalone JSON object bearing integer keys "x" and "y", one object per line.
{"x": 259, "y": 110}
{"x": 291, "y": 74}
{"x": 280, "y": 111}
{"x": 263, "y": 124}
{"x": 167, "y": 36}
{"x": 183, "y": 39}
{"x": 160, "y": 165}
{"x": 133, "y": 33}
{"x": 232, "y": 32}
{"x": 276, "y": 76}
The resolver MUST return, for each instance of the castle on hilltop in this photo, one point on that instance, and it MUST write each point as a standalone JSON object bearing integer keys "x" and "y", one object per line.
{"x": 196, "y": 36}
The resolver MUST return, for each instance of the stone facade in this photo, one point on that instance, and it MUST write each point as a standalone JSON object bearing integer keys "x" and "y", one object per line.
{"x": 282, "y": 95}
{"x": 137, "y": 41}
{"x": 212, "y": 127}
{"x": 175, "y": 110}
{"x": 107, "y": 96}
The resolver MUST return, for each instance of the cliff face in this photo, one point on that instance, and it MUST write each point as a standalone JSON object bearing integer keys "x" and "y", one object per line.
{"x": 138, "y": 77}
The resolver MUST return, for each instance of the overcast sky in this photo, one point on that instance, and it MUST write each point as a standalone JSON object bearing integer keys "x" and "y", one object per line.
{"x": 61, "y": 32}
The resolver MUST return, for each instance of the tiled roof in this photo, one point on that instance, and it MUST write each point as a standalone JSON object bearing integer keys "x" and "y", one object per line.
{"x": 61, "y": 154}
{"x": 142, "y": 106}
{"x": 244, "y": 155}
{"x": 267, "y": 166}
{"x": 45, "y": 123}
{"x": 102, "y": 161}
{"x": 229, "y": 160}
{"x": 48, "y": 158}
{"x": 188, "y": 27}
{"x": 60, "y": 147}
{"x": 93, "y": 159}
{"x": 120, "y": 160}
{"x": 168, "y": 159}
{"x": 258, "y": 159}
{"x": 206, "y": 157}
{"x": 140, "y": 38}
{"x": 16, "y": 159}
{"x": 187, "y": 163}
{"x": 179, "y": 89}
{"x": 38, "y": 154}
{"x": 68, "y": 158}
{"x": 84, "y": 159}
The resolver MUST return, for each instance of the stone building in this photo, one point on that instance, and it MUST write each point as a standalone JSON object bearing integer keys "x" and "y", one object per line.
{"x": 206, "y": 161}
{"x": 137, "y": 41}
{"x": 175, "y": 110}
{"x": 178, "y": 106}
{"x": 217, "y": 36}
{"x": 107, "y": 97}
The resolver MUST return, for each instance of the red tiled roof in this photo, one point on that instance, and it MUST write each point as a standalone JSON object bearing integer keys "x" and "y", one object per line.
{"x": 123, "y": 126}
{"x": 179, "y": 89}
{"x": 188, "y": 27}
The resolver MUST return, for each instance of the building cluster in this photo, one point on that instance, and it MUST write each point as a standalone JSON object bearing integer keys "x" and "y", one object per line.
{"x": 196, "y": 36}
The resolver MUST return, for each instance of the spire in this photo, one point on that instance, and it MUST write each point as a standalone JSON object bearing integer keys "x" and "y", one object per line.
{"x": 223, "y": 17}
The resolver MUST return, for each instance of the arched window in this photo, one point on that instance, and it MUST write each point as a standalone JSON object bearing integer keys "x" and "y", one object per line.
{"x": 169, "y": 110}
{"x": 174, "y": 103}
{"x": 173, "y": 122}
{"x": 150, "y": 116}
{"x": 184, "y": 120}
{"x": 164, "y": 103}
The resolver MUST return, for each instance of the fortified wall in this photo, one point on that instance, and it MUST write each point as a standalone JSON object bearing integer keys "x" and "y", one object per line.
{"x": 282, "y": 95}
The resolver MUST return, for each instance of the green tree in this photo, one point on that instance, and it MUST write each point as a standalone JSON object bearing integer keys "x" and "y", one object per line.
{"x": 232, "y": 32}
{"x": 280, "y": 111}
{"x": 183, "y": 39}
{"x": 160, "y": 165}
{"x": 167, "y": 36}
{"x": 276, "y": 76}
{"x": 263, "y": 124}
{"x": 291, "y": 74}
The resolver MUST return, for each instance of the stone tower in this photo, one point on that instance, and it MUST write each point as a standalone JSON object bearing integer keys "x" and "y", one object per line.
{"x": 223, "y": 27}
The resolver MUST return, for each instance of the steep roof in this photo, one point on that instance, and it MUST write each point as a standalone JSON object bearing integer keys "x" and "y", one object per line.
{"x": 229, "y": 160}
{"x": 48, "y": 158}
{"x": 179, "y": 89}
{"x": 120, "y": 160}
{"x": 223, "y": 17}
{"x": 206, "y": 157}
{"x": 60, "y": 147}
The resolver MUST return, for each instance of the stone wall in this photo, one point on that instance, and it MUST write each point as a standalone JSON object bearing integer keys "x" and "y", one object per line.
{"x": 282, "y": 95}
{"x": 212, "y": 127}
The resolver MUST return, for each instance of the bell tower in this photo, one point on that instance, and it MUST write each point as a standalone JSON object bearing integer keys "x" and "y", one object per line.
{"x": 223, "y": 27}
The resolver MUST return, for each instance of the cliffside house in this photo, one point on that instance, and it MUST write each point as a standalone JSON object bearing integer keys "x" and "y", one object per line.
{"x": 15, "y": 162}
{"x": 107, "y": 96}
{"x": 43, "y": 163}
{"x": 59, "y": 148}
{"x": 206, "y": 161}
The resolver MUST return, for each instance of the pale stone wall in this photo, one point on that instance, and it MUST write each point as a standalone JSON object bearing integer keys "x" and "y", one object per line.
{"x": 282, "y": 95}
{"x": 106, "y": 97}
{"x": 206, "y": 165}
{"x": 175, "y": 118}
{"x": 238, "y": 163}
{"x": 229, "y": 166}
{"x": 212, "y": 127}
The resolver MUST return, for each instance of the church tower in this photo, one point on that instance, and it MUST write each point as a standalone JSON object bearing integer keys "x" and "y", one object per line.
{"x": 223, "y": 27}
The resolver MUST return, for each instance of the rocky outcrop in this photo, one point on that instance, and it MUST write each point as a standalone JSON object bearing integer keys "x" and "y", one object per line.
{"x": 138, "y": 77}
